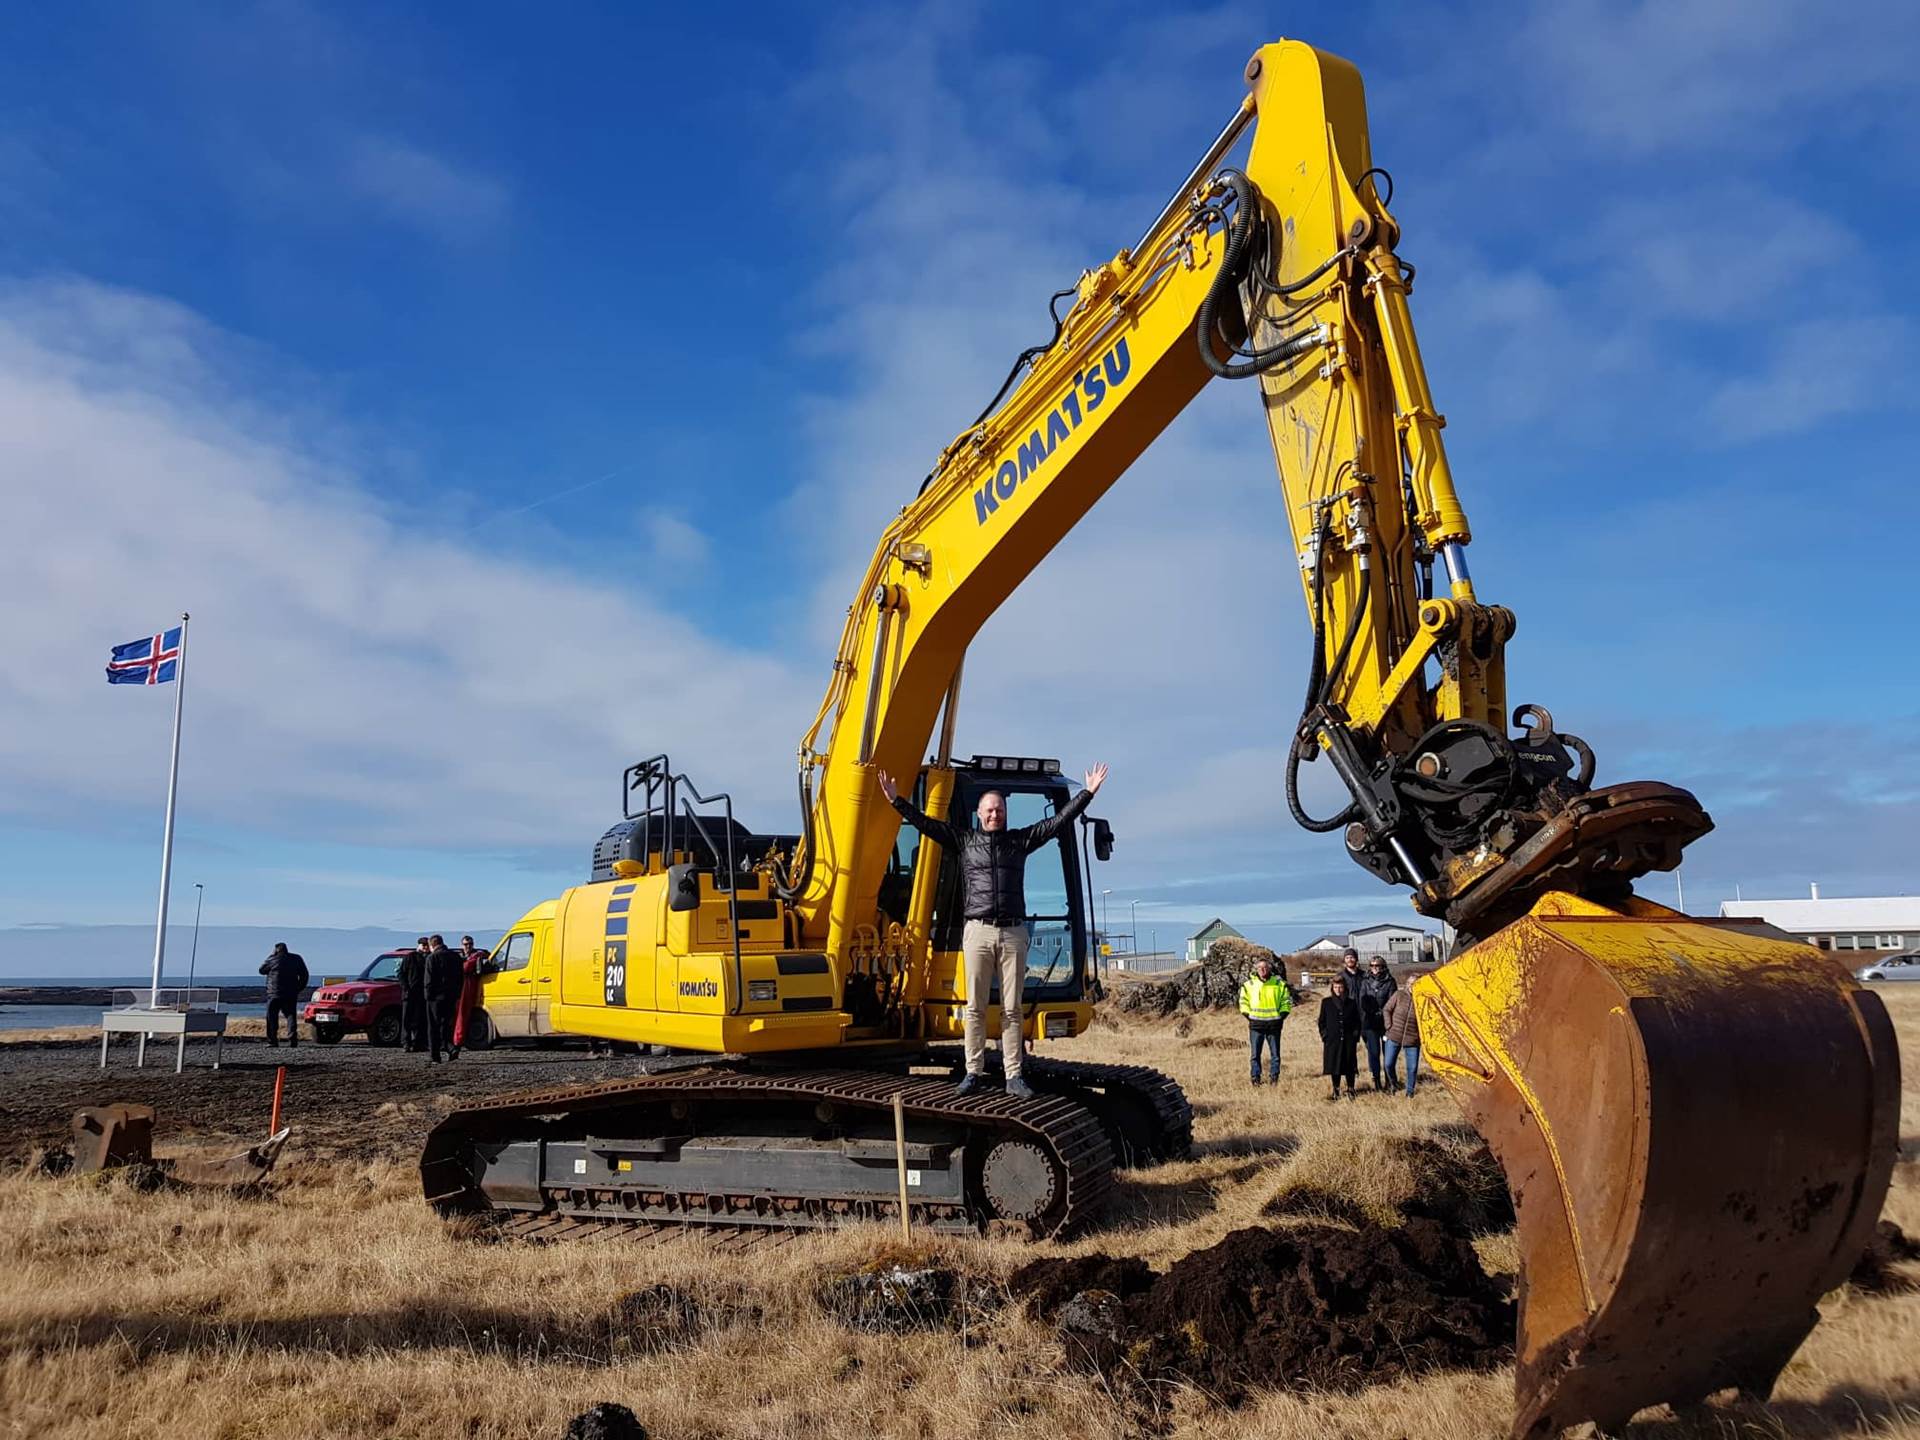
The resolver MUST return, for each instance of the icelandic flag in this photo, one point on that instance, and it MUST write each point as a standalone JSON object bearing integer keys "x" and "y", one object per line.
{"x": 152, "y": 661}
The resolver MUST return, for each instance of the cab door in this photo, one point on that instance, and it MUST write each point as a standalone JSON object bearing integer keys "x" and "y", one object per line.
{"x": 507, "y": 992}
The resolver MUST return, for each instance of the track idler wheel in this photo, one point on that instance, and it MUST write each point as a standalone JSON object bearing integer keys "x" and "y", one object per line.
{"x": 1021, "y": 1182}
{"x": 1698, "y": 1126}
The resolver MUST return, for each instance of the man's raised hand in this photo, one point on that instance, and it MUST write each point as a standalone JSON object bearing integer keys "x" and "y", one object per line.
{"x": 1096, "y": 777}
{"x": 887, "y": 787}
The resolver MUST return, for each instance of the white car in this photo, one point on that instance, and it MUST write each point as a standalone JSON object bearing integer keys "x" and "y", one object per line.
{"x": 1894, "y": 967}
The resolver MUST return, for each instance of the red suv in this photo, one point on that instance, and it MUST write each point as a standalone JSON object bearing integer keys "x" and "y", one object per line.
{"x": 370, "y": 1004}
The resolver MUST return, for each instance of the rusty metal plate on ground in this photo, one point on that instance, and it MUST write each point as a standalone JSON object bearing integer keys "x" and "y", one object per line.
{"x": 108, "y": 1135}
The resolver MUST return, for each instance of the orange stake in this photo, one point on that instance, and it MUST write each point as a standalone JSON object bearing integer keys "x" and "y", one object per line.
{"x": 279, "y": 1079}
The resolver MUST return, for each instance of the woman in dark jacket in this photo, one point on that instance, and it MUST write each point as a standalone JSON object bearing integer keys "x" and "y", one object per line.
{"x": 1339, "y": 1037}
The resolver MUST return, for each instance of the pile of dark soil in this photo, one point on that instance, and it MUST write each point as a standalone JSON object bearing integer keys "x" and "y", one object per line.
{"x": 1305, "y": 1305}
{"x": 895, "y": 1296}
{"x": 605, "y": 1421}
{"x": 1890, "y": 1246}
{"x": 1048, "y": 1284}
{"x": 1463, "y": 1192}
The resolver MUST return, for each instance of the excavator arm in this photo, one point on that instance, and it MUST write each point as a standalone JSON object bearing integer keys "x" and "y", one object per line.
{"x": 1677, "y": 1225}
{"x": 1286, "y": 273}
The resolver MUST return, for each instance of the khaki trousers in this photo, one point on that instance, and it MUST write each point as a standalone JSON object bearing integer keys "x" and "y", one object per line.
{"x": 987, "y": 948}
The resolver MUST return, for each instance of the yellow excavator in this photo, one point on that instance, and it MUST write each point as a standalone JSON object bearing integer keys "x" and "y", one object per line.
{"x": 1696, "y": 1117}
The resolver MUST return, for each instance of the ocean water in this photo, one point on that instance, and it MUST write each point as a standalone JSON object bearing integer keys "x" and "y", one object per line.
{"x": 46, "y": 1017}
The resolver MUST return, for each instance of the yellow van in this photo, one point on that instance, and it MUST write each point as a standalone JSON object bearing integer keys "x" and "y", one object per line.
{"x": 516, "y": 992}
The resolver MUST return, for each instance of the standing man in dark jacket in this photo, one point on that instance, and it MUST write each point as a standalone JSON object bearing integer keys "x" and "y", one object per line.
{"x": 1339, "y": 1037}
{"x": 445, "y": 976}
{"x": 1375, "y": 986}
{"x": 993, "y": 866}
{"x": 413, "y": 997}
{"x": 286, "y": 976}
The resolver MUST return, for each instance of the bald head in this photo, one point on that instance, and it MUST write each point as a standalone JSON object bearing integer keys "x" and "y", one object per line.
{"x": 992, "y": 811}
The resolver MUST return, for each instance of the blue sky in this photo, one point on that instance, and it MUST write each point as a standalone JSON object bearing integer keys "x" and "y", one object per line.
{"x": 511, "y": 397}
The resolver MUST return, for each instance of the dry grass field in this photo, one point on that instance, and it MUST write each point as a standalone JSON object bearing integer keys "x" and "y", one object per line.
{"x": 338, "y": 1306}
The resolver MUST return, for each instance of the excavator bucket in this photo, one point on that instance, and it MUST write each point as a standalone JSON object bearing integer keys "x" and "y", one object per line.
{"x": 1697, "y": 1121}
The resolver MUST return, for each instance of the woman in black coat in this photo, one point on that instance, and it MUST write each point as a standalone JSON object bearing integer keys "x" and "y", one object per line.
{"x": 1339, "y": 1037}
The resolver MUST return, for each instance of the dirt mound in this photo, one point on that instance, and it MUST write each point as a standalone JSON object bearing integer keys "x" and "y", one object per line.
{"x": 1385, "y": 1179}
{"x": 605, "y": 1421}
{"x": 1310, "y": 1305}
{"x": 1463, "y": 1192}
{"x": 894, "y": 1295}
{"x": 1212, "y": 984}
{"x": 1890, "y": 1246}
{"x": 1046, "y": 1285}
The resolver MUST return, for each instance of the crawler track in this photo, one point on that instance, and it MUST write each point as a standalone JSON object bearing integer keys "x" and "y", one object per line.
{"x": 1145, "y": 1113}
{"x": 784, "y": 1149}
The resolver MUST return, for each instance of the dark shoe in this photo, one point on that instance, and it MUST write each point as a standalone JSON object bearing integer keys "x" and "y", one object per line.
{"x": 1019, "y": 1089}
{"x": 970, "y": 1086}
{"x": 1255, "y": 1082}
{"x": 1333, "y": 1098}
{"x": 454, "y": 1054}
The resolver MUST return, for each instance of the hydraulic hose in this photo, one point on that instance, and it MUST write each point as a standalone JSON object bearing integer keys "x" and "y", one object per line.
{"x": 1298, "y": 811}
{"x": 1346, "y": 644}
{"x": 785, "y": 886}
{"x": 1233, "y": 272}
{"x": 1316, "y": 686}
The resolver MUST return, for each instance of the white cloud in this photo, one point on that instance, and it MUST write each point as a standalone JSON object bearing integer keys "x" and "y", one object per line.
{"x": 1673, "y": 76}
{"x": 1814, "y": 371}
{"x": 678, "y": 545}
{"x": 338, "y": 687}
{"x": 424, "y": 190}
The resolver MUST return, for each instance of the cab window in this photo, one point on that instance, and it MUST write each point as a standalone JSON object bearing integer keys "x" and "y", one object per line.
{"x": 515, "y": 952}
{"x": 1051, "y": 967}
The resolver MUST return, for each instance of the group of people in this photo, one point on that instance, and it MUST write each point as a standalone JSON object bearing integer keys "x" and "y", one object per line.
{"x": 439, "y": 988}
{"x": 1361, "y": 1008}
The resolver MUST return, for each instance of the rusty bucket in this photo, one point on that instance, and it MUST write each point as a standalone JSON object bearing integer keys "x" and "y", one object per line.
{"x": 1698, "y": 1125}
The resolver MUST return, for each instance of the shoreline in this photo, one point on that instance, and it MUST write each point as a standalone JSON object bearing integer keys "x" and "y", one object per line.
{"x": 102, "y": 995}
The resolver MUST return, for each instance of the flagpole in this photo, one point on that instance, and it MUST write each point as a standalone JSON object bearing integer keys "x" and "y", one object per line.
{"x": 166, "y": 845}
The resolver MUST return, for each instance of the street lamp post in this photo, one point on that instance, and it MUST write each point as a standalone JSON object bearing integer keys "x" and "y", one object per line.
{"x": 193, "y": 955}
{"x": 1106, "y": 934}
{"x": 1133, "y": 926}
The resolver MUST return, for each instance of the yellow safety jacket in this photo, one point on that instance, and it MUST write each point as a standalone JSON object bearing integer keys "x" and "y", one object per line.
{"x": 1264, "y": 999}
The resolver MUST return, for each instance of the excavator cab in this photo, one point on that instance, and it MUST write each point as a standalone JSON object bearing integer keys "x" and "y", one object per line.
{"x": 1057, "y": 915}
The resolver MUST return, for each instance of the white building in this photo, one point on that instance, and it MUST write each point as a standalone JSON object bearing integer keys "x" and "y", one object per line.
{"x": 1400, "y": 944}
{"x": 1877, "y": 922}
